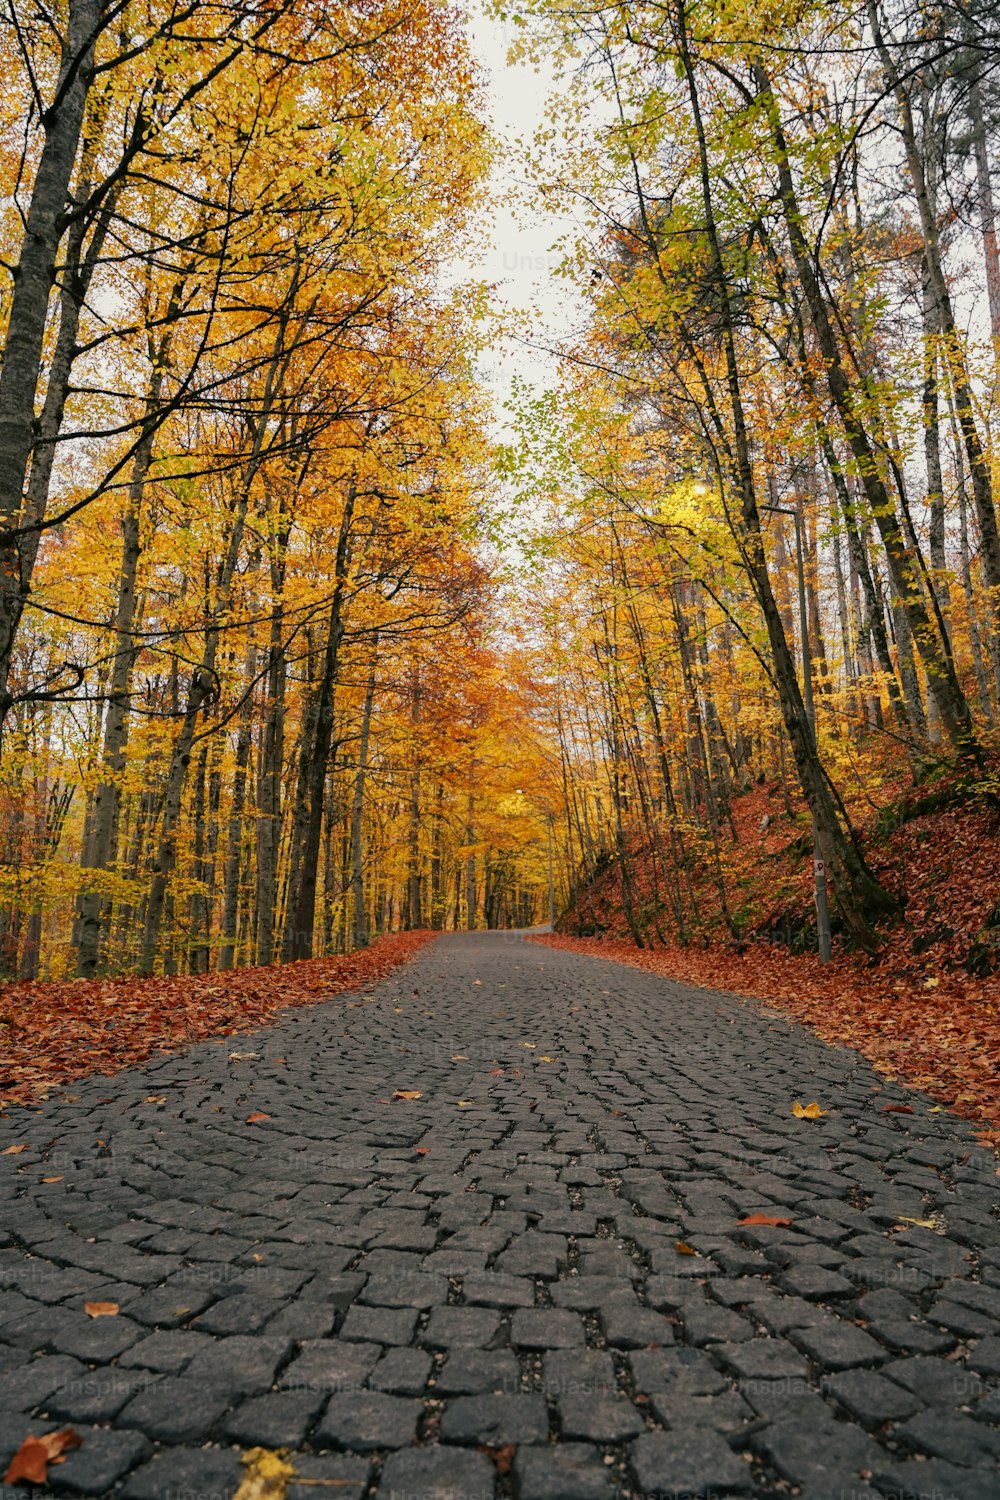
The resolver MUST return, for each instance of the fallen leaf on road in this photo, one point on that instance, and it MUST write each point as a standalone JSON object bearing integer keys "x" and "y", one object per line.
{"x": 920, "y": 1223}
{"x": 764, "y": 1219}
{"x": 897, "y": 1109}
{"x": 52, "y": 1179}
{"x": 496, "y": 1072}
{"x": 406, "y": 1094}
{"x": 808, "y": 1111}
{"x": 156, "y": 1098}
{"x": 543, "y": 1058}
{"x": 101, "y": 1309}
{"x": 13, "y": 1151}
{"x": 460, "y": 1057}
{"x": 530, "y": 1045}
{"x": 30, "y": 1462}
{"x": 683, "y": 1249}
{"x": 267, "y": 1476}
{"x": 465, "y": 1103}
{"x": 242, "y": 1056}
{"x": 256, "y": 1117}
{"x": 502, "y": 1458}
{"x": 422, "y": 1151}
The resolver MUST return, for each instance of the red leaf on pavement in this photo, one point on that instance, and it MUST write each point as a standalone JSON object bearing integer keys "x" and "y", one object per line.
{"x": 764, "y": 1219}
{"x": 30, "y": 1462}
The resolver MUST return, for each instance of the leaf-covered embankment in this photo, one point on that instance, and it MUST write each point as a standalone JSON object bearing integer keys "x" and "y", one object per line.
{"x": 55, "y": 1032}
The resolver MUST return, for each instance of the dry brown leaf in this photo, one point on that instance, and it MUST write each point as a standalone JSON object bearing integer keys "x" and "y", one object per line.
{"x": 30, "y": 1462}
{"x": 683, "y": 1248}
{"x": 101, "y": 1309}
{"x": 13, "y": 1151}
{"x": 502, "y": 1457}
{"x": 764, "y": 1219}
{"x": 406, "y": 1093}
{"x": 53, "y": 1179}
{"x": 256, "y": 1117}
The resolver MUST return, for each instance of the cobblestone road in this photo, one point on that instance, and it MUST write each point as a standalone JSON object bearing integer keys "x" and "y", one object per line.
{"x": 479, "y": 1292}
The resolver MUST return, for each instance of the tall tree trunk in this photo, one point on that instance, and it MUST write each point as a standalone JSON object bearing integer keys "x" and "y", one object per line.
{"x": 859, "y": 894}
{"x": 928, "y": 635}
{"x": 234, "y": 828}
{"x": 316, "y": 748}
{"x": 95, "y": 908}
{"x": 954, "y": 352}
{"x": 62, "y": 121}
{"x": 358, "y": 808}
{"x": 987, "y": 211}
{"x": 269, "y": 785}
{"x": 414, "y": 882}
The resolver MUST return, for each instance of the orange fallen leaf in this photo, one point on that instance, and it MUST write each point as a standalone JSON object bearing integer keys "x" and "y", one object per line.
{"x": 764, "y": 1219}
{"x": 101, "y": 1309}
{"x": 406, "y": 1093}
{"x": 683, "y": 1248}
{"x": 496, "y": 1072}
{"x": 423, "y": 1151}
{"x": 808, "y": 1111}
{"x": 30, "y": 1462}
{"x": 256, "y": 1117}
{"x": 156, "y": 1098}
{"x": 52, "y": 1179}
{"x": 13, "y": 1151}
{"x": 896, "y": 1109}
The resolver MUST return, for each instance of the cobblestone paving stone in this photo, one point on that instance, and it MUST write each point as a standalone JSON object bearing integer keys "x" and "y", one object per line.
{"x": 398, "y": 1291}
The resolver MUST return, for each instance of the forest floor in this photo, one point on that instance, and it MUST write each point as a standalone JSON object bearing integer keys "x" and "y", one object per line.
{"x": 925, "y": 1011}
{"x": 53, "y": 1032}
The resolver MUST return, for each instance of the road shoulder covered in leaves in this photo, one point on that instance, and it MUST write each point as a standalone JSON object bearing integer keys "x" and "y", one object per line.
{"x": 942, "y": 1037}
{"x": 55, "y": 1032}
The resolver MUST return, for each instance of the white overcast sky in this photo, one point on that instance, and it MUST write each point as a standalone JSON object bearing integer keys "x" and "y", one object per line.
{"x": 519, "y": 259}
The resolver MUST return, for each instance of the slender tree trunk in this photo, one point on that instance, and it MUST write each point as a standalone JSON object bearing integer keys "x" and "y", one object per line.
{"x": 269, "y": 785}
{"x": 859, "y": 894}
{"x": 987, "y": 211}
{"x": 942, "y": 679}
{"x": 62, "y": 120}
{"x": 316, "y": 748}
{"x": 234, "y": 828}
{"x": 358, "y": 809}
{"x": 954, "y": 352}
{"x": 95, "y": 908}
